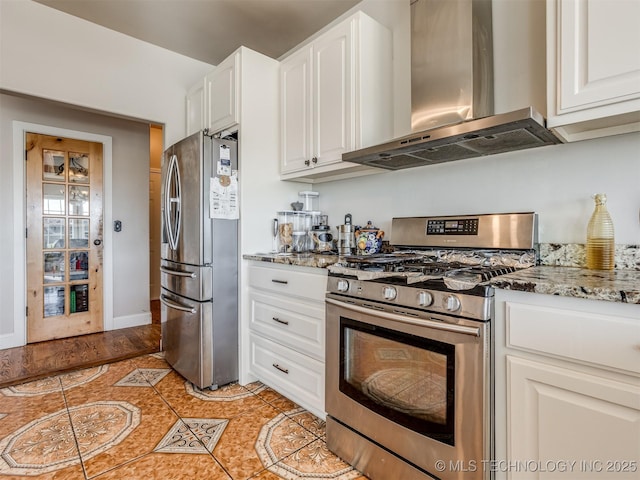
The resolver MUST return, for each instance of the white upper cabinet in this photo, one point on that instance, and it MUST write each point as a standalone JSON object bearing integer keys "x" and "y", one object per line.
{"x": 295, "y": 113}
{"x": 214, "y": 102}
{"x": 195, "y": 108}
{"x": 335, "y": 97}
{"x": 332, "y": 63}
{"x": 593, "y": 67}
{"x": 221, "y": 98}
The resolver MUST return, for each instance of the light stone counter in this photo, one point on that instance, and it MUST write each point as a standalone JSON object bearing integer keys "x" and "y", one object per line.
{"x": 612, "y": 286}
{"x": 298, "y": 259}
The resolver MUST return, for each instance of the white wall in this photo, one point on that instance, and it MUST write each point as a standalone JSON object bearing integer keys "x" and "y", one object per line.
{"x": 51, "y": 55}
{"x": 519, "y": 55}
{"x": 556, "y": 182}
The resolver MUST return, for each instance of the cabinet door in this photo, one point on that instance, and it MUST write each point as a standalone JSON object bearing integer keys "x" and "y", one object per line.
{"x": 299, "y": 377}
{"x": 195, "y": 108}
{"x": 295, "y": 112}
{"x": 221, "y": 94}
{"x": 598, "y": 56}
{"x": 332, "y": 95}
{"x": 556, "y": 414}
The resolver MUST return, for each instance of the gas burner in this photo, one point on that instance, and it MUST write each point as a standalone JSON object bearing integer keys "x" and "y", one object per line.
{"x": 372, "y": 268}
{"x": 426, "y": 268}
{"x": 384, "y": 258}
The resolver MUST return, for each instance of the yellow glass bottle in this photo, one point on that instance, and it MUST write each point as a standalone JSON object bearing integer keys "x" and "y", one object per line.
{"x": 600, "y": 244}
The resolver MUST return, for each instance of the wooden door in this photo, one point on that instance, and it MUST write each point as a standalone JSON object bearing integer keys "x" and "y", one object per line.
{"x": 64, "y": 237}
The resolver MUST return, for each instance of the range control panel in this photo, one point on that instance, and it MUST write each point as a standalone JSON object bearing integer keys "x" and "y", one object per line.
{"x": 466, "y": 226}
{"x": 495, "y": 230}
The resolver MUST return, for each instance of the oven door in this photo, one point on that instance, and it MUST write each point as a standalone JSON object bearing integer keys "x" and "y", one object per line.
{"x": 416, "y": 384}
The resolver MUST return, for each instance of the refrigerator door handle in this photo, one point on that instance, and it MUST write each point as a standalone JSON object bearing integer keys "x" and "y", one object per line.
{"x": 177, "y": 273}
{"x": 175, "y": 305}
{"x": 172, "y": 207}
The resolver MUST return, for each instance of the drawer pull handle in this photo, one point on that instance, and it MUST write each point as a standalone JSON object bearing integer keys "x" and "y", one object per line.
{"x": 276, "y": 319}
{"x": 177, "y": 273}
{"x": 283, "y": 370}
{"x": 282, "y": 282}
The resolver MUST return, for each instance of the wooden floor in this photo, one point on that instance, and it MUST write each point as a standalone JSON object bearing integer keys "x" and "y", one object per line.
{"x": 43, "y": 359}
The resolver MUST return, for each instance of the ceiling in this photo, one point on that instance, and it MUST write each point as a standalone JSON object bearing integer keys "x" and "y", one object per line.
{"x": 209, "y": 30}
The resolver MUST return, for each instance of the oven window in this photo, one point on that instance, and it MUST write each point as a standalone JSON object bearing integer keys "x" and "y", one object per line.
{"x": 405, "y": 378}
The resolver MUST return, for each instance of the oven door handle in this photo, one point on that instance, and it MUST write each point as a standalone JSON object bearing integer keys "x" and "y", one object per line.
{"x": 423, "y": 322}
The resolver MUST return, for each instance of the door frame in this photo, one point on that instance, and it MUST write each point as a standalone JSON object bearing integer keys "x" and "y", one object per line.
{"x": 19, "y": 335}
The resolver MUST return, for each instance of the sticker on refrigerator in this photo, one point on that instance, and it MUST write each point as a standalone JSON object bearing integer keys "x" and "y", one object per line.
{"x": 224, "y": 164}
{"x": 224, "y": 197}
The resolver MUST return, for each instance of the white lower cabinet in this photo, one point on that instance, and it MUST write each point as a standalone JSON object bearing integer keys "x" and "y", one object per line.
{"x": 567, "y": 388}
{"x": 287, "y": 331}
{"x": 562, "y": 418}
{"x": 297, "y": 376}
{"x": 294, "y": 324}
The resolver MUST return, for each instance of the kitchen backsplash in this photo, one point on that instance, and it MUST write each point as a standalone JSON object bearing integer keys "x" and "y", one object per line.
{"x": 574, "y": 255}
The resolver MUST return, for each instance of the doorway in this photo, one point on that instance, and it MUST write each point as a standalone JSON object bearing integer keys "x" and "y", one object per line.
{"x": 155, "y": 163}
{"x": 64, "y": 195}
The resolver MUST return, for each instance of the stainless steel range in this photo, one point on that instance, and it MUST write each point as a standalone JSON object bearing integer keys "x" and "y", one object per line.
{"x": 409, "y": 364}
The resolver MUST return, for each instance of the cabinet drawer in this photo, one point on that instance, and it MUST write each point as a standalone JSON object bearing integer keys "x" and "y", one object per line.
{"x": 299, "y": 377}
{"x": 289, "y": 281}
{"x": 294, "y": 324}
{"x": 603, "y": 340}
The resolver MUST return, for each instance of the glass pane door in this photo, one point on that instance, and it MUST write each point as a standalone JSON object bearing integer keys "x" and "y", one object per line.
{"x": 64, "y": 233}
{"x": 70, "y": 203}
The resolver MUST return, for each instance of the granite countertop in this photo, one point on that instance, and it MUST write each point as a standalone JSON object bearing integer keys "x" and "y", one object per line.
{"x": 317, "y": 260}
{"x": 612, "y": 286}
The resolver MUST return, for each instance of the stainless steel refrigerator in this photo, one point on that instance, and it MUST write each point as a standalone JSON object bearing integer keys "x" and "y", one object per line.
{"x": 199, "y": 266}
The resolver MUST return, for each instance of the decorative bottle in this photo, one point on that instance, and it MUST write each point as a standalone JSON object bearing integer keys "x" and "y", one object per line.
{"x": 600, "y": 244}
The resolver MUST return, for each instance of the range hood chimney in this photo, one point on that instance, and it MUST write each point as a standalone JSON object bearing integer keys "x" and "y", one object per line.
{"x": 452, "y": 93}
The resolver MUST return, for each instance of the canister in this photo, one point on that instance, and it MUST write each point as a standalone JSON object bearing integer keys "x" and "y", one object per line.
{"x": 285, "y": 231}
{"x": 346, "y": 236}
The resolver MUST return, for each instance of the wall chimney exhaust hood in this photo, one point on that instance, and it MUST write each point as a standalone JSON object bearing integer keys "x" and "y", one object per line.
{"x": 452, "y": 93}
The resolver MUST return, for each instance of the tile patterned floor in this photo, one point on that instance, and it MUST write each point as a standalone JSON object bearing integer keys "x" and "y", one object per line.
{"x": 138, "y": 419}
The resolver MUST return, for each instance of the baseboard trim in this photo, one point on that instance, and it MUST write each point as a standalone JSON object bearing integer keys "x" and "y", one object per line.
{"x": 11, "y": 340}
{"x": 132, "y": 320}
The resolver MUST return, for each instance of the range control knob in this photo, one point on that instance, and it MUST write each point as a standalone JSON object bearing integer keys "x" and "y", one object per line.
{"x": 343, "y": 286}
{"x": 390, "y": 293}
{"x": 425, "y": 299}
{"x": 452, "y": 303}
